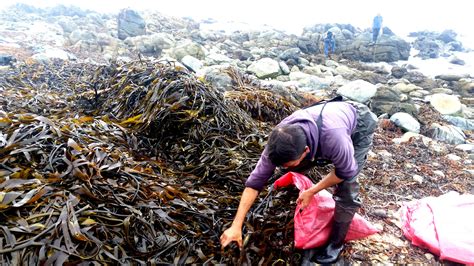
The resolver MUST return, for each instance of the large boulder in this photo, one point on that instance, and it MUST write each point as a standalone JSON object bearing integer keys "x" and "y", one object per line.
{"x": 309, "y": 44}
{"x": 387, "y": 49}
{"x": 463, "y": 123}
{"x": 406, "y": 122}
{"x": 449, "y": 134}
{"x": 187, "y": 47}
{"x": 292, "y": 53}
{"x": 218, "y": 77}
{"x": 192, "y": 63}
{"x": 398, "y": 72}
{"x": 67, "y": 24}
{"x": 433, "y": 44}
{"x": 447, "y": 36}
{"x": 130, "y": 24}
{"x": 445, "y": 104}
{"x": 265, "y": 68}
{"x": 450, "y": 77}
{"x": 466, "y": 87}
{"x": 307, "y": 82}
{"x": 405, "y": 88}
{"x": 151, "y": 44}
{"x": 51, "y": 53}
{"x": 82, "y": 35}
{"x": 358, "y": 90}
{"x": 388, "y": 101}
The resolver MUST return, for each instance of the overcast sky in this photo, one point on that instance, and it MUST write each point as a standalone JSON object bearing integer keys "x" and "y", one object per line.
{"x": 402, "y": 16}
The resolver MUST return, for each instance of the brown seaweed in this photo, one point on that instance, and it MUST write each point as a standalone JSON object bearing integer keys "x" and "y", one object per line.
{"x": 143, "y": 163}
{"x": 145, "y": 179}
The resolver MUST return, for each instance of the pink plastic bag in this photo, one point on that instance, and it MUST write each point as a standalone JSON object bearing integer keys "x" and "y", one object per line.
{"x": 313, "y": 224}
{"x": 443, "y": 224}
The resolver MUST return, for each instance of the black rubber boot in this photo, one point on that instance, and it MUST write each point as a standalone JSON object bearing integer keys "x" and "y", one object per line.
{"x": 336, "y": 244}
{"x": 309, "y": 255}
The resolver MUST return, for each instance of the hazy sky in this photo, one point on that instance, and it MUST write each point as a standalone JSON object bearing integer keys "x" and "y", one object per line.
{"x": 401, "y": 16}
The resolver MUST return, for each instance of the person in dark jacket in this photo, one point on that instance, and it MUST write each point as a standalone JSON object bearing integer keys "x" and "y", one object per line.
{"x": 329, "y": 44}
{"x": 377, "y": 27}
{"x": 338, "y": 132}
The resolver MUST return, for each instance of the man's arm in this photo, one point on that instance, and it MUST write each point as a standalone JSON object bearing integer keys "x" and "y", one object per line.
{"x": 234, "y": 233}
{"x": 329, "y": 180}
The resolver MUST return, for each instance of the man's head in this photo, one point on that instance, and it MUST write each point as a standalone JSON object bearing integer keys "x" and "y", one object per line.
{"x": 287, "y": 146}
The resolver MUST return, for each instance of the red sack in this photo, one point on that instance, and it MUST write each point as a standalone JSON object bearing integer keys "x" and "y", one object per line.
{"x": 313, "y": 224}
{"x": 443, "y": 225}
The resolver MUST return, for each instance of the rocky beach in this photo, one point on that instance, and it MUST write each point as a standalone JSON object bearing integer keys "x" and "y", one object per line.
{"x": 127, "y": 138}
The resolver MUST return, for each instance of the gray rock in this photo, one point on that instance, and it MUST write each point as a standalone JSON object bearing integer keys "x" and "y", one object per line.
{"x": 406, "y": 88}
{"x": 192, "y": 63}
{"x": 265, "y": 68}
{"x": 242, "y": 55}
{"x": 398, "y": 72}
{"x": 406, "y": 122}
{"x": 463, "y": 123}
{"x": 52, "y": 53}
{"x": 130, "y": 24}
{"x": 309, "y": 44}
{"x": 308, "y": 82}
{"x": 347, "y": 34}
{"x": 447, "y": 36}
{"x": 218, "y": 78}
{"x": 456, "y": 60}
{"x": 6, "y": 59}
{"x": 450, "y": 77}
{"x": 358, "y": 90}
{"x": 188, "y": 47}
{"x": 466, "y": 87}
{"x": 292, "y": 53}
{"x": 387, "y": 101}
{"x": 418, "y": 178}
{"x": 442, "y": 90}
{"x": 449, "y": 134}
{"x": 67, "y": 24}
{"x": 469, "y": 148}
{"x": 388, "y": 48}
{"x": 380, "y": 213}
{"x": 284, "y": 68}
{"x": 428, "y": 48}
{"x": 217, "y": 59}
{"x": 82, "y": 35}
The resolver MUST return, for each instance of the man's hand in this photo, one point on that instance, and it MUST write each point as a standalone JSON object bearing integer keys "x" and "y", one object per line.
{"x": 330, "y": 179}
{"x": 305, "y": 198}
{"x": 232, "y": 234}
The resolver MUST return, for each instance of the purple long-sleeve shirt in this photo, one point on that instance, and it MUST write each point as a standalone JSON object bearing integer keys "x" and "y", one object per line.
{"x": 339, "y": 121}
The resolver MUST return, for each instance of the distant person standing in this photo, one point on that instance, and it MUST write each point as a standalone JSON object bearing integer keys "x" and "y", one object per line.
{"x": 376, "y": 27}
{"x": 329, "y": 44}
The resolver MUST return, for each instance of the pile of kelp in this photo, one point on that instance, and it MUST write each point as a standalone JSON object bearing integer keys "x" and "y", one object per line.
{"x": 136, "y": 163}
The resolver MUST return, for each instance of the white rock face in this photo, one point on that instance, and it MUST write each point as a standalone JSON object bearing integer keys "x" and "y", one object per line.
{"x": 445, "y": 104}
{"x": 265, "y": 68}
{"x": 192, "y": 62}
{"x": 358, "y": 90}
{"x": 406, "y": 122}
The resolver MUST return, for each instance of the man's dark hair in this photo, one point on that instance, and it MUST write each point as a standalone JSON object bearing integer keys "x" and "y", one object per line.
{"x": 286, "y": 143}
